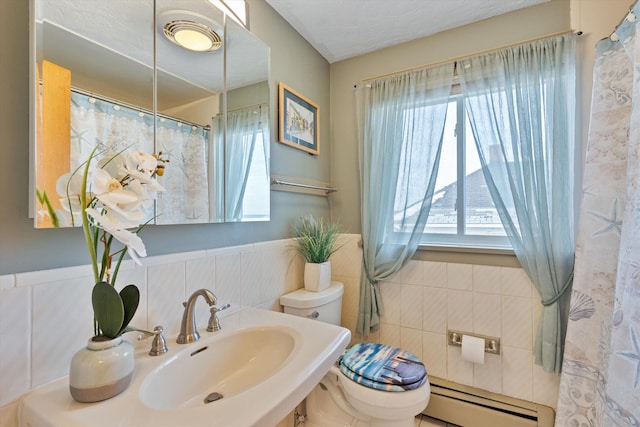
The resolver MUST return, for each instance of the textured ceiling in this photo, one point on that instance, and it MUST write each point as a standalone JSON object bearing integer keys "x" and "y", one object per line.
{"x": 341, "y": 29}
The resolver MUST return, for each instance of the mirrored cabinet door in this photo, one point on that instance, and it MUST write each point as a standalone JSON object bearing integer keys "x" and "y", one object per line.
{"x": 190, "y": 89}
{"x": 248, "y": 116}
{"x": 176, "y": 78}
{"x": 94, "y": 86}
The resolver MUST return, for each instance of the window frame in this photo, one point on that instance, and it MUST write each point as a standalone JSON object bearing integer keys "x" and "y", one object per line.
{"x": 460, "y": 240}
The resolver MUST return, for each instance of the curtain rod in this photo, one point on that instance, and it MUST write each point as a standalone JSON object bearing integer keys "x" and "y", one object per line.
{"x": 247, "y": 107}
{"x": 457, "y": 58}
{"x": 135, "y": 107}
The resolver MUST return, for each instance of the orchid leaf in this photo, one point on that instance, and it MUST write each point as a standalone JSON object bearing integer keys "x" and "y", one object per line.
{"x": 44, "y": 201}
{"x": 130, "y": 296}
{"x": 108, "y": 309}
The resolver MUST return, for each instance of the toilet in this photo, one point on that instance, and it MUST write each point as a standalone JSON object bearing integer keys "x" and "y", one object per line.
{"x": 371, "y": 385}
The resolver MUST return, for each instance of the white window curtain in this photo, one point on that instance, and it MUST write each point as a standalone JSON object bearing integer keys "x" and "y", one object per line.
{"x": 400, "y": 121}
{"x": 521, "y": 104}
{"x": 244, "y": 127}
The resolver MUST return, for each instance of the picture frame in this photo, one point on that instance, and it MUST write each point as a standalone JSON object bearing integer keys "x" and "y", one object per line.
{"x": 298, "y": 120}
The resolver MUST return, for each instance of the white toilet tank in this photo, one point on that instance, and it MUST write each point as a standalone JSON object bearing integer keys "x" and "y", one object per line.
{"x": 325, "y": 306}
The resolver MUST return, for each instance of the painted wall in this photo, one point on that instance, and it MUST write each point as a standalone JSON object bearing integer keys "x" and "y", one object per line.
{"x": 22, "y": 248}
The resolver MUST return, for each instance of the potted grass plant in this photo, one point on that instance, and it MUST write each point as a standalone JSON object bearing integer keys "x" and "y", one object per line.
{"x": 316, "y": 240}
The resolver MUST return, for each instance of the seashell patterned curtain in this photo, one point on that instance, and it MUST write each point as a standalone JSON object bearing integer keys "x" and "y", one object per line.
{"x": 600, "y": 381}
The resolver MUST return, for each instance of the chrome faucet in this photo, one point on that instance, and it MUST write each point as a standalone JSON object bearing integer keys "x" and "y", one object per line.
{"x": 188, "y": 330}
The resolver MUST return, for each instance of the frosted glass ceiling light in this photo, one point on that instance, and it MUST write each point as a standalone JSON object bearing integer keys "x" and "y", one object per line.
{"x": 192, "y": 35}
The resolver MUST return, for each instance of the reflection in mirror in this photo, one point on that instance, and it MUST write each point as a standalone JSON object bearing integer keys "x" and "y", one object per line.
{"x": 98, "y": 58}
{"x": 247, "y": 127}
{"x": 190, "y": 85}
{"x": 70, "y": 115}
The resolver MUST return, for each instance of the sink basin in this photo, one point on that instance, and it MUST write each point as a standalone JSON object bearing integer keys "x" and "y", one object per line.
{"x": 227, "y": 366}
{"x": 262, "y": 364}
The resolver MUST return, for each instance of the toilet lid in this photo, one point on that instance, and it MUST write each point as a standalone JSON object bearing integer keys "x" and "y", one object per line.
{"x": 383, "y": 367}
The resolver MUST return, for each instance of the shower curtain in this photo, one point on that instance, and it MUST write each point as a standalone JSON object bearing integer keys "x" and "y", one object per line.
{"x": 115, "y": 127}
{"x": 186, "y": 196}
{"x": 600, "y": 382}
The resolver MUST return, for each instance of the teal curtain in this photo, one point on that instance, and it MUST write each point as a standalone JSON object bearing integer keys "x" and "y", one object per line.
{"x": 521, "y": 104}
{"x": 400, "y": 121}
{"x": 244, "y": 126}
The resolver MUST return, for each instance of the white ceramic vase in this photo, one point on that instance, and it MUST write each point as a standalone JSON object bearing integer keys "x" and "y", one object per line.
{"x": 317, "y": 277}
{"x": 101, "y": 370}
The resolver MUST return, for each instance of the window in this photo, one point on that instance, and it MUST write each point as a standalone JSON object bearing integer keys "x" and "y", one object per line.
{"x": 462, "y": 211}
{"x": 255, "y": 205}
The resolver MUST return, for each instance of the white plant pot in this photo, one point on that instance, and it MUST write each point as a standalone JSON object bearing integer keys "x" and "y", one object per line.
{"x": 101, "y": 370}
{"x": 317, "y": 277}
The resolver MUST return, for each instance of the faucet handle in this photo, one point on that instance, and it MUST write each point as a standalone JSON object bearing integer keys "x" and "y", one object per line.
{"x": 158, "y": 345}
{"x": 214, "y": 322}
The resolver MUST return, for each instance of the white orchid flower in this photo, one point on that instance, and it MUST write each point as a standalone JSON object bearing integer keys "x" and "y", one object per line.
{"x": 129, "y": 211}
{"x": 110, "y": 220}
{"x": 71, "y": 204}
{"x": 106, "y": 221}
{"x": 117, "y": 192}
{"x": 134, "y": 244}
{"x": 110, "y": 192}
{"x": 143, "y": 161}
{"x": 114, "y": 164}
{"x": 69, "y": 185}
{"x": 142, "y": 166}
{"x": 103, "y": 182}
{"x": 146, "y": 197}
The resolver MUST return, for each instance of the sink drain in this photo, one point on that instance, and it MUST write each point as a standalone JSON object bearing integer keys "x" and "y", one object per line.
{"x": 212, "y": 397}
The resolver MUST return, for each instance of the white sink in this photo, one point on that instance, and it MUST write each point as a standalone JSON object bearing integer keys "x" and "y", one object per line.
{"x": 227, "y": 364}
{"x": 262, "y": 363}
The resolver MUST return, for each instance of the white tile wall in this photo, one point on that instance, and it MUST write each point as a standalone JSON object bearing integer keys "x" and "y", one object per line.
{"x": 426, "y": 298}
{"x": 15, "y": 321}
{"x": 46, "y": 316}
{"x": 419, "y": 303}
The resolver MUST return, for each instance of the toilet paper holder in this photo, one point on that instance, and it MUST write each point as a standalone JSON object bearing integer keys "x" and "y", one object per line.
{"x": 491, "y": 344}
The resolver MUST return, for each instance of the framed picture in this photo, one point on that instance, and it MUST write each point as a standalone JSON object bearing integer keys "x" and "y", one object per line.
{"x": 298, "y": 120}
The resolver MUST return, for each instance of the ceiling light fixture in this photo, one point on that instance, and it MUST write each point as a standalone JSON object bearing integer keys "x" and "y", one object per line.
{"x": 192, "y": 35}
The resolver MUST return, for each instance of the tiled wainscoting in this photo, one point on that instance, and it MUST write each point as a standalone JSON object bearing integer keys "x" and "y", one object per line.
{"x": 45, "y": 316}
{"x": 426, "y": 298}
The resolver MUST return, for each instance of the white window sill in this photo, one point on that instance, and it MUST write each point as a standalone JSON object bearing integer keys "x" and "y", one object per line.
{"x": 467, "y": 255}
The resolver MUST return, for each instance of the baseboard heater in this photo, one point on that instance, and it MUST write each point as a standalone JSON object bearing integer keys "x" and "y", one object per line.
{"x": 472, "y": 407}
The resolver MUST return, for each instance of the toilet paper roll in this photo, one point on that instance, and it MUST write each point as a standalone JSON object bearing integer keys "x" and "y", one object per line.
{"x": 473, "y": 349}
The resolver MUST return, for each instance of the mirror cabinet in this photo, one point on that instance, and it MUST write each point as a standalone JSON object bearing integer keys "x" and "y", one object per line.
{"x": 117, "y": 74}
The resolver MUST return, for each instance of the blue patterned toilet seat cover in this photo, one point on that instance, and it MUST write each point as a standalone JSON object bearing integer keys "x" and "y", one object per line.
{"x": 383, "y": 367}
